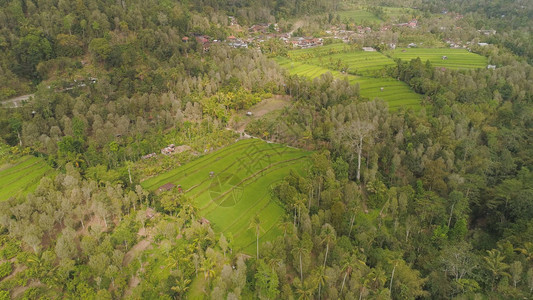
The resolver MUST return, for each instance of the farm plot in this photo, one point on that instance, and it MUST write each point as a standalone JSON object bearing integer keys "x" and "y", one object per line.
{"x": 396, "y": 93}
{"x": 305, "y": 54}
{"x": 22, "y": 176}
{"x": 239, "y": 187}
{"x": 442, "y": 57}
{"x": 355, "y": 62}
{"x": 359, "y": 16}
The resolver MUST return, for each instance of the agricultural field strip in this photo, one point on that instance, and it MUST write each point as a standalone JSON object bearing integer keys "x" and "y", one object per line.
{"x": 268, "y": 178}
{"x": 204, "y": 200}
{"x": 394, "y": 91}
{"x": 196, "y": 164}
{"x": 237, "y": 217}
{"x": 15, "y": 177}
{"x": 201, "y": 192}
{"x": 456, "y": 58}
{"x": 200, "y": 195}
{"x": 252, "y": 176}
{"x": 19, "y": 165}
{"x": 149, "y": 183}
{"x": 198, "y": 177}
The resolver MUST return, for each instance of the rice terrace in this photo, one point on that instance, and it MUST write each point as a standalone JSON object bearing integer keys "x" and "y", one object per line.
{"x": 441, "y": 57}
{"x": 22, "y": 176}
{"x": 338, "y": 58}
{"x": 233, "y": 185}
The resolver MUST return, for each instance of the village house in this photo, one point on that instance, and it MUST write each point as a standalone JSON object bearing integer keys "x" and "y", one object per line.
{"x": 166, "y": 187}
{"x": 168, "y": 150}
{"x": 147, "y": 156}
{"x": 487, "y": 32}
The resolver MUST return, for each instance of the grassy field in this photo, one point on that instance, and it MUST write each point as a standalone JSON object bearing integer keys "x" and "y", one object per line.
{"x": 356, "y": 62}
{"x": 457, "y": 58}
{"x": 240, "y": 188}
{"x": 21, "y": 176}
{"x": 359, "y": 16}
{"x": 394, "y": 13}
{"x": 341, "y": 56}
{"x": 305, "y": 54}
{"x": 396, "y": 93}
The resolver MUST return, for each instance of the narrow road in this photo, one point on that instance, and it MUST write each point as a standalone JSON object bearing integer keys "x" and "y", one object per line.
{"x": 17, "y": 101}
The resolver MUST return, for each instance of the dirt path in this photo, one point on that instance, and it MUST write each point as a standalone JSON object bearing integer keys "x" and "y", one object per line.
{"x": 136, "y": 250}
{"x": 296, "y": 26}
{"x": 260, "y": 109}
{"x": 18, "y": 269}
{"x": 17, "y": 101}
{"x": 19, "y": 290}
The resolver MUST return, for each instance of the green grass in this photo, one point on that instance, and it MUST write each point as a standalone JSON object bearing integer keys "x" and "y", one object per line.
{"x": 357, "y": 62}
{"x": 457, "y": 58}
{"x": 394, "y": 13}
{"x": 240, "y": 189}
{"x": 22, "y": 176}
{"x": 359, "y": 16}
{"x": 343, "y": 57}
{"x": 396, "y": 93}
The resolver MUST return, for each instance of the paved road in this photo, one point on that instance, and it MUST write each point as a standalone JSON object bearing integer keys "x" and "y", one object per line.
{"x": 17, "y": 101}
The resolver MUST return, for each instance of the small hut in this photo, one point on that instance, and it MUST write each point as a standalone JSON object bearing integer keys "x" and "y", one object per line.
{"x": 166, "y": 187}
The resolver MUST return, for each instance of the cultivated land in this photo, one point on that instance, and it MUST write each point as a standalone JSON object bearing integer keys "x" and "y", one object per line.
{"x": 21, "y": 176}
{"x": 456, "y": 58}
{"x": 244, "y": 174}
{"x": 359, "y": 16}
{"x": 396, "y": 93}
{"x": 344, "y": 57}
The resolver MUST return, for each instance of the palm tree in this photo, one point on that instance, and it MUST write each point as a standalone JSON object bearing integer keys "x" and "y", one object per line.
{"x": 328, "y": 237}
{"x": 299, "y": 251}
{"x": 208, "y": 267}
{"x": 494, "y": 263}
{"x": 299, "y": 203}
{"x": 181, "y": 285}
{"x": 348, "y": 266}
{"x": 256, "y": 225}
{"x": 320, "y": 277}
{"x": 304, "y": 289}
{"x": 527, "y": 250}
{"x": 287, "y": 227}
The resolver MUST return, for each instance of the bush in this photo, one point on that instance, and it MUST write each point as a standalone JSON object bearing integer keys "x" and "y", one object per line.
{"x": 5, "y": 269}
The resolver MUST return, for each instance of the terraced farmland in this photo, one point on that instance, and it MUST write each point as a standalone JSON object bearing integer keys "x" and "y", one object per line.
{"x": 22, "y": 176}
{"x": 456, "y": 58}
{"x": 396, "y": 93}
{"x": 305, "y": 54}
{"x": 239, "y": 189}
{"x": 359, "y": 16}
{"x": 356, "y": 62}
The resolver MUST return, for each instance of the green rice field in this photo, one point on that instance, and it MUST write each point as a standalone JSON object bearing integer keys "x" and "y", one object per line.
{"x": 22, "y": 176}
{"x": 396, "y": 93}
{"x": 359, "y": 16}
{"x": 456, "y": 58}
{"x": 239, "y": 189}
{"x": 357, "y": 62}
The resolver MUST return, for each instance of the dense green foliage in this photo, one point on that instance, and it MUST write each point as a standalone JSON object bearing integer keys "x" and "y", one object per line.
{"x": 423, "y": 193}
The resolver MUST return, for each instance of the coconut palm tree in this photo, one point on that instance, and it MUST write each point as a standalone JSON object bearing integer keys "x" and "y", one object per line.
{"x": 328, "y": 237}
{"x": 208, "y": 267}
{"x": 256, "y": 225}
{"x": 494, "y": 263}
{"x": 348, "y": 266}
{"x": 181, "y": 285}
{"x": 304, "y": 289}
{"x": 320, "y": 277}
{"x": 299, "y": 251}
